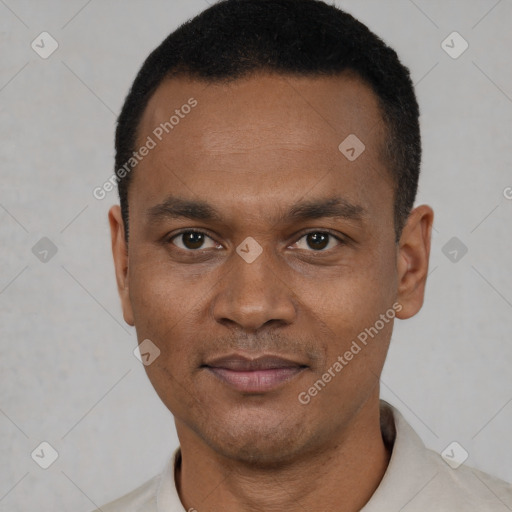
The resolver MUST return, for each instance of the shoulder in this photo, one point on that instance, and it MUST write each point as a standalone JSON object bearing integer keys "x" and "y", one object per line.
{"x": 466, "y": 488}
{"x": 419, "y": 479}
{"x": 141, "y": 499}
{"x": 158, "y": 493}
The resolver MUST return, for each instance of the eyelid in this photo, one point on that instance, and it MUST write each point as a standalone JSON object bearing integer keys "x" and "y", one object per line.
{"x": 335, "y": 234}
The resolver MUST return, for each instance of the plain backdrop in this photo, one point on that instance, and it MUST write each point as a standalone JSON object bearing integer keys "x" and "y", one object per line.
{"x": 68, "y": 374}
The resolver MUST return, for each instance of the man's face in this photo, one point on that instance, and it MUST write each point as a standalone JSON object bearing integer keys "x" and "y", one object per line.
{"x": 256, "y": 151}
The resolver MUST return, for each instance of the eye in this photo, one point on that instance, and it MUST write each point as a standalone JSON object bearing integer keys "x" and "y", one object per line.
{"x": 319, "y": 241}
{"x": 193, "y": 240}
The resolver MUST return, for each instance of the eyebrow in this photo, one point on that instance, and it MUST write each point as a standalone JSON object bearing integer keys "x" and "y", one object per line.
{"x": 332, "y": 207}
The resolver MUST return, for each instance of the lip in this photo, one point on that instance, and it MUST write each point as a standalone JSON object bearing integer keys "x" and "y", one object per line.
{"x": 254, "y": 375}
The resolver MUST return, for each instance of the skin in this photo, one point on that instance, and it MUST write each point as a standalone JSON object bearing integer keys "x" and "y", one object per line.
{"x": 252, "y": 149}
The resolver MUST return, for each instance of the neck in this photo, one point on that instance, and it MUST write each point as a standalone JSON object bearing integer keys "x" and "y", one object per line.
{"x": 342, "y": 476}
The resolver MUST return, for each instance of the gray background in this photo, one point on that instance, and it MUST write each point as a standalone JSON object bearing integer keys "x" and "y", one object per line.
{"x": 67, "y": 369}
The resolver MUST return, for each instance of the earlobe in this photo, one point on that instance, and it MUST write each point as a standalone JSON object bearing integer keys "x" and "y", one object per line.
{"x": 413, "y": 258}
{"x": 120, "y": 254}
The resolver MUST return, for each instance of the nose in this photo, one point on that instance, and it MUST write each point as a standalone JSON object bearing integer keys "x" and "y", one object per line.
{"x": 253, "y": 295}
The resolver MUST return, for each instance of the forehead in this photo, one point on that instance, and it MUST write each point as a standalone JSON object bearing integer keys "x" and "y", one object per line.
{"x": 272, "y": 133}
{"x": 317, "y": 105}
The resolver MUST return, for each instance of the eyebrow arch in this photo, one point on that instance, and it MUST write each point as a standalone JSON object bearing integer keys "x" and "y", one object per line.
{"x": 333, "y": 207}
{"x": 176, "y": 207}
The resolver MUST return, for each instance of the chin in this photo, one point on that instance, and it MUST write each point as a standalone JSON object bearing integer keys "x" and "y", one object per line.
{"x": 259, "y": 444}
{"x": 259, "y": 454}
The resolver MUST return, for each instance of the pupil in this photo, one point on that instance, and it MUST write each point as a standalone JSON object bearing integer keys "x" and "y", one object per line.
{"x": 318, "y": 240}
{"x": 193, "y": 240}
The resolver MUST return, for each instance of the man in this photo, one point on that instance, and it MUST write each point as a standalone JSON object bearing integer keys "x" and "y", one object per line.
{"x": 268, "y": 157}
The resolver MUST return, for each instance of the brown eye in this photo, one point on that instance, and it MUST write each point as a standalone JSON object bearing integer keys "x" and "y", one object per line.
{"x": 318, "y": 241}
{"x": 192, "y": 240}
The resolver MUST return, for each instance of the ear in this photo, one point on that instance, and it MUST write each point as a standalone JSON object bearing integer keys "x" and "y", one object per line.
{"x": 120, "y": 253}
{"x": 413, "y": 257}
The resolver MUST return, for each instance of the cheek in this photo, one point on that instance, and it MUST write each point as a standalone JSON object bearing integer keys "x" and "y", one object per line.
{"x": 352, "y": 300}
{"x": 347, "y": 316}
{"x": 159, "y": 295}
{"x": 347, "y": 313}
{"x": 165, "y": 312}
{"x": 173, "y": 386}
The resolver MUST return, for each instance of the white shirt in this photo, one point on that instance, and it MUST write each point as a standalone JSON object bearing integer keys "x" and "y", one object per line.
{"x": 416, "y": 480}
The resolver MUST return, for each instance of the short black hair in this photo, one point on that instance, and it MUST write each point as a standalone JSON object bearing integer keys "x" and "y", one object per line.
{"x": 235, "y": 38}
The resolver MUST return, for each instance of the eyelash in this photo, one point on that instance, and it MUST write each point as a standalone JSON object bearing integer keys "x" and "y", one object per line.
{"x": 169, "y": 239}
